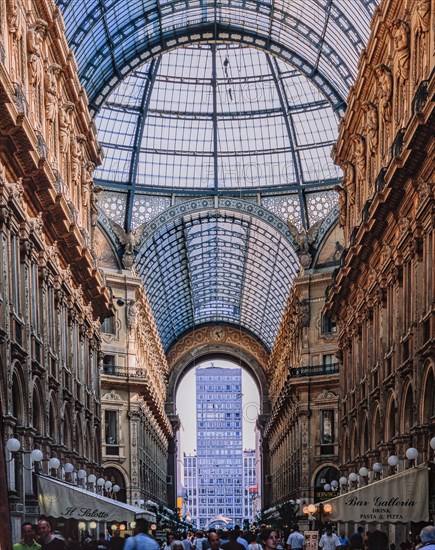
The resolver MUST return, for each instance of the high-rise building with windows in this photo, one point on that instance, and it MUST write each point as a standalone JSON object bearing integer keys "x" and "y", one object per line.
{"x": 250, "y": 487}
{"x": 219, "y": 444}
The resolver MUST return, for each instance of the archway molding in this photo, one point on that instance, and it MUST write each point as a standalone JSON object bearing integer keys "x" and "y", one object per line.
{"x": 217, "y": 341}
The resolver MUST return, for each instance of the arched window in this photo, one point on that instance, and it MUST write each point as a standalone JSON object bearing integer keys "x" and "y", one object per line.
{"x": 429, "y": 398}
{"x": 38, "y": 410}
{"x": 377, "y": 429}
{"x": 391, "y": 419}
{"x": 117, "y": 478}
{"x": 18, "y": 399}
{"x": 408, "y": 415}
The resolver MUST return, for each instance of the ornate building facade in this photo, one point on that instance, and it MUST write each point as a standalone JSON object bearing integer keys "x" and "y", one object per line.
{"x": 302, "y": 431}
{"x": 382, "y": 297}
{"x": 51, "y": 292}
{"x": 136, "y": 430}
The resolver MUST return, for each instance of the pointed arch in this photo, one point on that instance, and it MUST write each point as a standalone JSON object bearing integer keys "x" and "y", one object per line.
{"x": 377, "y": 432}
{"x": 390, "y": 424}
{"x": 354, "y": 447}
{"x": 53, "y": 418}
{"x": 67, "y": 434}
{"x": 19, "y": 395}
{"x": 78, "y": 447}
{"x": 428, "y": 393}
{"x": 38, "y": 408}
{"x": 408, "y": 419}
{"x": 365, "y": 441}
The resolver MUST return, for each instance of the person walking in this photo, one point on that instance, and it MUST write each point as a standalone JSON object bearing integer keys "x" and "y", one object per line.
{"x": 344, "y": 541}
{"x": 141, "y": 539}
{"x": 329, "y": 540}
{"x": 357, "y": 539}
{"x": 295, "y": 540}
{"x": 427, "y": 537}
{"x": 28, "y": 541}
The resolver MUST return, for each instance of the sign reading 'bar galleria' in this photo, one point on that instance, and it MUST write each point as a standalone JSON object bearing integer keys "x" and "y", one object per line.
{"x": 399, "y": 498}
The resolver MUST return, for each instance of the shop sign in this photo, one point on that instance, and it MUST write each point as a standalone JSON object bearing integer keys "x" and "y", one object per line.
{"x": 400, "y": 498}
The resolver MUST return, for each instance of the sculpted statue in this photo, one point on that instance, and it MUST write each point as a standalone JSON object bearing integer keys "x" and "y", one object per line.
{"x": 129, "y": 239}
{"x": 51, "y": 95}
{"x": 385, "y": 91}
{"x": 15, "y": 30}
{"x": 359, "y": 153}
{"x": 304, "y": 239}
{"x": 35, "y": 37}
{"x": 77, "y": 158}
{"x": 372, "y": 126}
{"x": 342, "y": 205}
{"x": 422, "y": 10}
{"x": 131, "y": 313}
{"x": 349, "y": 182}
{"x": 95, "y": 191}
{"x": 65, "y": 127}
{"x": 400, "y": 34}
{"x": 87, "y": 183}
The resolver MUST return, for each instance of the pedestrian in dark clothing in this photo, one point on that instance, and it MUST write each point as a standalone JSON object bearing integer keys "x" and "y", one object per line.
{"x": 116, "y": 542}
{"x": 232, "y": 544}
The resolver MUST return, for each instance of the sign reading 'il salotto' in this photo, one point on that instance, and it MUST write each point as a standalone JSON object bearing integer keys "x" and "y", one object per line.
{"x": 397, "y": 499}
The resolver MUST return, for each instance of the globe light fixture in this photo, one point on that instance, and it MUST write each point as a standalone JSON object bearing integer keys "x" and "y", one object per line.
{"x": 36, "y": 455}
{"x": 305, "y": 510}
{"x": 334, "y": 484}
{"x": 432, "y": 443}
{"x": 68, "y": 467}
{"x": 298, "y": 501}
{"x": 101, "y": 481}
{"x": 132, "y": 524}
{"x": 327, "y": 487}
{"x": 393, "y": 461}
{"x": 13, "y": 445}
{"x": 352, "y": 477}
{"x": 312, "y": 508}
{"x": 116, "y": 488}
{"x": 377, "y": 467}
{"x": 93, "y": 525}
{"x": 122, "y": 527}
{"x": 82, "y": 525}
{"x": 342, "y": 480}
{"x": 363, "y": 472}
{"x": 54, "y": 463}
{"x": 81, "y": 474}
{"x": 411, "y": 453}
{"x": 92, "y": 478}
{"x": 113, "y": 527}
{"x": 108, "y": 485}
{"x": 327, "y": 508}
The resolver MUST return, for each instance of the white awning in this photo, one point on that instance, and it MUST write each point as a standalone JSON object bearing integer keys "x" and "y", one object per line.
{"x": 62, "y": 500}
{"x": 400, "y": 498}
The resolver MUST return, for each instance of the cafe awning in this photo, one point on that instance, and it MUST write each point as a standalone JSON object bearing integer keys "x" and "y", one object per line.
{"x": 63, "y": 500}
{"x": 400, "y": 498}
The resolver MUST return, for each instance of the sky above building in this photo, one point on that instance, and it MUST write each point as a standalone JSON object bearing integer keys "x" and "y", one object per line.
{"x": 186, "y": 406}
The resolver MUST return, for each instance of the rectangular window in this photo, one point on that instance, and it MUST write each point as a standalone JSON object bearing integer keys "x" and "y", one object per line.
{"x": 111, "y": 427}
{"x": 327, "y": 432}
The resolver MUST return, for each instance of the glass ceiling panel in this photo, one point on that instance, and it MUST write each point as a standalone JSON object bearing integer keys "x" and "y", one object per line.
{"x": 217, "y": 266}
{"x": 108, "y": 36}
{"x": 218, "y": 119}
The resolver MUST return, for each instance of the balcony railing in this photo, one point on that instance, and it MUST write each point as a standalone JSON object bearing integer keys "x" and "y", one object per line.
{"x": 116, "y": 370}
{"x": 315, "y": 370}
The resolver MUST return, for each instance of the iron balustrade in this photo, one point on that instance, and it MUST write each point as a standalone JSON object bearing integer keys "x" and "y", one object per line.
{"x": 314, "y": 370}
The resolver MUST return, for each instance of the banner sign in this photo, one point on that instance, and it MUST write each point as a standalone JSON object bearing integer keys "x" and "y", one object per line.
{"x": 400, "y": 498}
{"x": 61, "y": 500}
{"x": 311, "y": 540}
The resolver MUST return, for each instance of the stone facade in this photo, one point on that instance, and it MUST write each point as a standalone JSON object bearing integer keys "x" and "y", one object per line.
{"x": 382, "y": 297}
{"x": 136, "y": 430}
{"x": 301, "y": 439}
{"x": 52, "y": 294}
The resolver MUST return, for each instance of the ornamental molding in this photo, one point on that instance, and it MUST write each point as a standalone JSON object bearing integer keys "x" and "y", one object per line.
{"x": 215, "y": 338}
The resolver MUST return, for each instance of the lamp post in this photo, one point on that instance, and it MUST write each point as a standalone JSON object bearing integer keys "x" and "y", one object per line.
{"x": 317, "y": 512}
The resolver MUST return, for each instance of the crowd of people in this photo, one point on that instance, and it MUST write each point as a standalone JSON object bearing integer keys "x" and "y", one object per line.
{"x": 41, "y": 537}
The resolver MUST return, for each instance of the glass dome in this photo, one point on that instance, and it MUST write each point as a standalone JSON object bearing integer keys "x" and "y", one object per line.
{"x": 217, "y": 119}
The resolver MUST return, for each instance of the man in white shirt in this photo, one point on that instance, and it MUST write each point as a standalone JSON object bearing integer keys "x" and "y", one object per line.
{"x": 329, "y": 541}
{"x": 296, "y": 541}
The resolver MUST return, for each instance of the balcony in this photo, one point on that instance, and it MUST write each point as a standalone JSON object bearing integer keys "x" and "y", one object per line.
{"x": 315, "y": 370}
{"x": 124, "y": 372}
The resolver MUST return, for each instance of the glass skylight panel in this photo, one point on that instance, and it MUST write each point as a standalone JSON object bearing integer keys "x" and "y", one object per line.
{"x": 315, "y": 126}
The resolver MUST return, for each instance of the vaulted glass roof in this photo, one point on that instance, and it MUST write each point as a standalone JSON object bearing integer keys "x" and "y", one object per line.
{"x": 323, "y": 38}
{"x": 217, "y": 121}
{"x": 217, "y": 266}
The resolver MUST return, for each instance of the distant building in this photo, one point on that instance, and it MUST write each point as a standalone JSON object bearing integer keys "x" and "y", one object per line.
{"x": 219, "y": 444}
{"x": 250, "y": 487}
